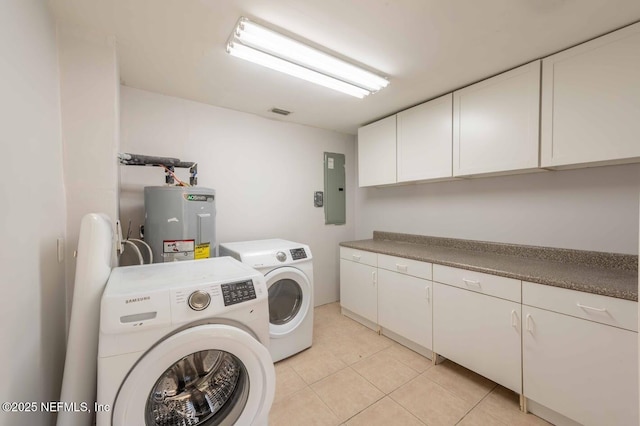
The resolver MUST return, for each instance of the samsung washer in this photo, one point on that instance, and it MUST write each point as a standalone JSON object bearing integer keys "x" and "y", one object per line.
{"x": 288, "y": 269}
{"x": 184, "y": 343}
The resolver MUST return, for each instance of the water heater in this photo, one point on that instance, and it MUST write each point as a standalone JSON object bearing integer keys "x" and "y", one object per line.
{"x": 180, "y": 222}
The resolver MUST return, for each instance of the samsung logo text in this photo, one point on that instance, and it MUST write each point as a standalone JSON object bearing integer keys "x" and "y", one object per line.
{"x": 138, "y": 299}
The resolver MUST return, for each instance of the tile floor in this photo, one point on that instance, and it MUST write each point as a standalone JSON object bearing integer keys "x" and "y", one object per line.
{"x": 352, "y": 376}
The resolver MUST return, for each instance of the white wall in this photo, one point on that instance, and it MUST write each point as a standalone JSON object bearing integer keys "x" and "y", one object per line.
{"x": 89, "y": 90}
{"x": 264, "y": 172}
{"x": 32, "y": 216}
{"x": 587, "y": 209}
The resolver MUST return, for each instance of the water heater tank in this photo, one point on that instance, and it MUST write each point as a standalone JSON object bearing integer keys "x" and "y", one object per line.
{"x": 180, "y": 222}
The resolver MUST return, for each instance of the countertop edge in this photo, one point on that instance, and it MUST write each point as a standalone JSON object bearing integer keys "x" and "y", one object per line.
{"x": 603, "y": 291}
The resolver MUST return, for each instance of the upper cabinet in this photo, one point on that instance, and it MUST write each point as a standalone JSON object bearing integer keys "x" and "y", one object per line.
{"x": 377, "y": 153}
{"x": 577, "y": 108}
{"x": 425, "y": 140}
{"x": 496, "y": 123}
{"x": 591, "y": 102}
{"x": 413, "y": 145}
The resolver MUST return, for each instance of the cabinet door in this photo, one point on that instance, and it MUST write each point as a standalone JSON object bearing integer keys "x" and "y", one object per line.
{"x": 495, "y": 123}
{"x": 591, "y": 101}
{"x": 479, "y": 332}
{"x": 377, "y": 153}
{"x": 358, "y": 289}
{"x": 405, "y": 306}
{"x": 581, "y": 369}
{"x": 425, "y": 140}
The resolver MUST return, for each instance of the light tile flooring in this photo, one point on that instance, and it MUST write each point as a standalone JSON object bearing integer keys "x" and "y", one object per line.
{"x": 352, "y": 376}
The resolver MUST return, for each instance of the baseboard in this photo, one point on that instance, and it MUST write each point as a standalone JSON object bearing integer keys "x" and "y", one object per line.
{"x": 369, "y": 324}
{"x": 549, "y": 415}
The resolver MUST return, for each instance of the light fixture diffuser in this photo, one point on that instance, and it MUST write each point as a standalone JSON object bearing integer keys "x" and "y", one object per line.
{"x": 268, "y": 48}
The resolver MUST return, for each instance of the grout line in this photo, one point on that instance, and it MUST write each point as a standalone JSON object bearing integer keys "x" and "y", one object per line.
{"x": 325, "y": 404}
{"x": 495, "y": 385}
{"x": 288, "y": 397}
{"x": 383, "y": 393}
{"x": 374, "y": 402}
{"x": 367, "y": 407}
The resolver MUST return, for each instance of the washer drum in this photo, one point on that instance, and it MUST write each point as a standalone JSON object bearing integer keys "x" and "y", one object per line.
{"x": 180, "y": 222}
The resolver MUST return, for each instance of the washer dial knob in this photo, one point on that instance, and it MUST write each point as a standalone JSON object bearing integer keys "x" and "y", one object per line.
{"x": 281, "y": 256}
{"x": 199, "y": 300}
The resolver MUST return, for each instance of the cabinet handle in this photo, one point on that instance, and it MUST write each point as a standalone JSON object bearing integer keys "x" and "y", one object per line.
{"x": 400, "y": 267}
{"x": 374, "y": 275}
{"x": 591, "y": 308}
{"x": 427, "y": 291}
{"x": 514, "y": 319}
{"x": 471, "y": 283}
{"x": 356, "y": 257}
{"x": 529, "y": 324}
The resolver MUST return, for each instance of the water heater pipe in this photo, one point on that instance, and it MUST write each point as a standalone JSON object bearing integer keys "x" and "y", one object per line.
{"x": 169, "y": 164}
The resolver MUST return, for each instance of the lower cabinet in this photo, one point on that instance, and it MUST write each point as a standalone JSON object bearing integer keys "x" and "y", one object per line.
{"x": 583, "y": 369}
{"x": 358, "y": 289}
{"x": 358, "y": 284}
{"x": 480, "y": 332}
{"x": 405, "y": 306}
{"x": 572, "y": 355}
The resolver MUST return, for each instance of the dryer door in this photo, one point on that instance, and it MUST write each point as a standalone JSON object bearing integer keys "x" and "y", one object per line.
{"x": 290, "y": 296}
{"x": 210, "y": 374}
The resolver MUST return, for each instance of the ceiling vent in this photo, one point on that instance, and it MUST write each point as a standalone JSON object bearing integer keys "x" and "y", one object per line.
{"x": 280, "y": 111}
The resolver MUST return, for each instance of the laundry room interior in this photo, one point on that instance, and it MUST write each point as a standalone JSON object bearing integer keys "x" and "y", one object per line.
{"x": 452, "y": 241}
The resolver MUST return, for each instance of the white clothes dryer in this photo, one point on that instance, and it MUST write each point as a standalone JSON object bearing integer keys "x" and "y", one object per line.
{"x": 288, "y": 269}
{"x": 183, "y": 343}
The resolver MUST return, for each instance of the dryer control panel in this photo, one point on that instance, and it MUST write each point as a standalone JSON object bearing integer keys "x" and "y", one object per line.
{"x": 298, "y": 253}
{"x": 237, "y": 292}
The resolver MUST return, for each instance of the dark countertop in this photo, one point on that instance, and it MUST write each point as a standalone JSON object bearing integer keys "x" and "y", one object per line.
{"x": 608, "y": 274}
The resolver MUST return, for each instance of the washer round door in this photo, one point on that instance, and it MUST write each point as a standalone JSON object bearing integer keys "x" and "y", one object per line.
{"x": 290, "y": 296}
{"x": 207, "y": 375}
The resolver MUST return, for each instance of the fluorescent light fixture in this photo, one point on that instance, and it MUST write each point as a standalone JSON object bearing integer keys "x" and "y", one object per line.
{"x": 268, "y": 48}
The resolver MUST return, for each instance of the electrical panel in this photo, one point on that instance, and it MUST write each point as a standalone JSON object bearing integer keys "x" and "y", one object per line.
{"x": 334, "y": 189}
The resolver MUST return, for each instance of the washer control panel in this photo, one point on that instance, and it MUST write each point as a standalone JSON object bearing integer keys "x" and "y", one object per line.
{"x": 199, "y": 300}
{"x": 298, "y": 253}
{"x": 237, "y": 292}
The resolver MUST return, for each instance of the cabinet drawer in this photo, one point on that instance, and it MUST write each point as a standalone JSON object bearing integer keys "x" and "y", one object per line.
{"x": 493, "y": 285}
{"x": 361, "y": 256}
{"x": 405, "y": 266}
{"x": 594, "y": 307}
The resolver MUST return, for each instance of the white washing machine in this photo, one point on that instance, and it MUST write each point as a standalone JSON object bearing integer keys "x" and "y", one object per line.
{"x": 183, "y": 343}
{"x": 288, "y": 269}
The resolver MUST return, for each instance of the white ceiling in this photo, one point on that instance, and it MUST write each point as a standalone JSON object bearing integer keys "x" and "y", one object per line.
{"x": 425, "y": 47}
